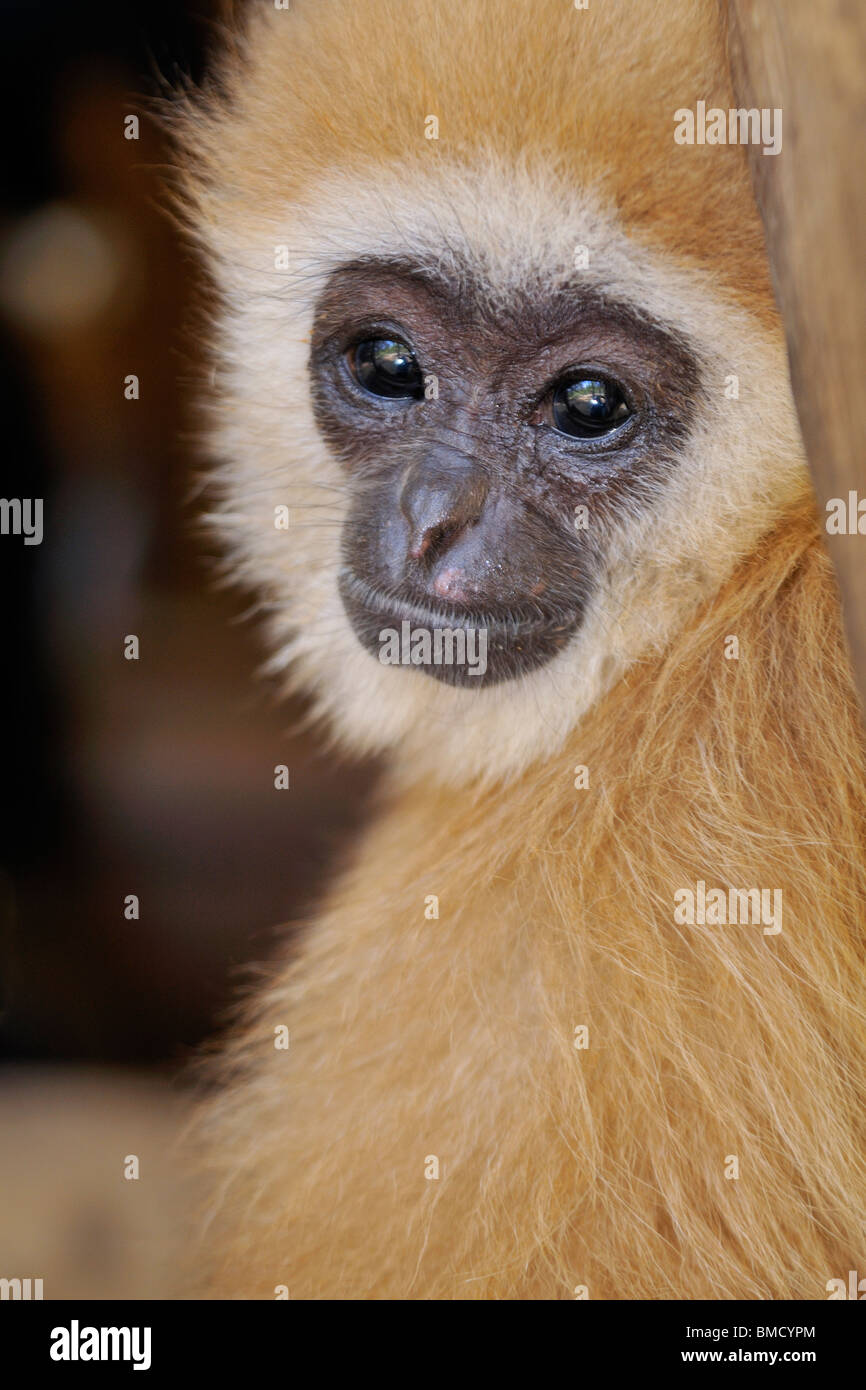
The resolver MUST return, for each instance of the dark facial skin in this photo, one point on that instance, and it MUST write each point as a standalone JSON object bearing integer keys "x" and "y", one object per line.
{"x": 463, "y": 513}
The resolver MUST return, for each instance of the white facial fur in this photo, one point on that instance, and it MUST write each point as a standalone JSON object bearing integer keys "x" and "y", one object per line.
{"x": 742, "y": 464}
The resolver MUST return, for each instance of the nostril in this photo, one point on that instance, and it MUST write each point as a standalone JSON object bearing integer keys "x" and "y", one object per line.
{"x": 433, "y": 541}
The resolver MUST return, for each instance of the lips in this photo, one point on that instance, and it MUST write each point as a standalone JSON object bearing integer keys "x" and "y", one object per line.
{"x": 450, "y": 642}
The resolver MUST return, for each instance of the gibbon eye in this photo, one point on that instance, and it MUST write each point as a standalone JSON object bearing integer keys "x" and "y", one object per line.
{"x": 589, "y": 406}
{"x": 387, "y": 367}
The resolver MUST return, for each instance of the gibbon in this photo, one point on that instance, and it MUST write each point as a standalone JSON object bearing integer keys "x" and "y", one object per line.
{"x": 504, "y": 440}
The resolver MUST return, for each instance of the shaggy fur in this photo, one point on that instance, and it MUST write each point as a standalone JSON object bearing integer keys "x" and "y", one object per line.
{"x": 454, "y": 1037}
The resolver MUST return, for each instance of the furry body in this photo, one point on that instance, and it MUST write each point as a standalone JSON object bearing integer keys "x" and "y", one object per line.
{"x": 454, "y": 1037}
{"x": 602, "y": 1167}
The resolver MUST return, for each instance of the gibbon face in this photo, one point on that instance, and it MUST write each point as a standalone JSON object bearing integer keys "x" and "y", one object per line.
{"x": 483, "y": 505}
{"x": 522, "y": 380}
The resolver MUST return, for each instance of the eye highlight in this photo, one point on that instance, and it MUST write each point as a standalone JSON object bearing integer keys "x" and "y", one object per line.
{"x": 587, "y": 406}
{"x": 386, "y": 367}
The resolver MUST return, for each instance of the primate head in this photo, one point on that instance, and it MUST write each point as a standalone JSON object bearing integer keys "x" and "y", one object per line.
{"x": 500, "y": 392}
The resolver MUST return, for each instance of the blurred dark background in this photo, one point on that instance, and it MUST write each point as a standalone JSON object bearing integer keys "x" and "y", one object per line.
{"x": 151, "y": 777}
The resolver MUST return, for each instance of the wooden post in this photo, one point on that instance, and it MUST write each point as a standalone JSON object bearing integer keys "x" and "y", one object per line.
{"x": 808, "y": 57}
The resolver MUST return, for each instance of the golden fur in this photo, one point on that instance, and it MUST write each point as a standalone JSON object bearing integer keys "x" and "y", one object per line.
{"x": 332, "y": 84}
{"x": 454, "y": 1036}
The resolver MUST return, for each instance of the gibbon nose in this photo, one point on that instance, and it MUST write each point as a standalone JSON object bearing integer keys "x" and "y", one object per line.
{"x": 439, "y": 503}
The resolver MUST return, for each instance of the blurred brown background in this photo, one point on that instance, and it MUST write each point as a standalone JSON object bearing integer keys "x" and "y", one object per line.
{"x": 152, "y": 777}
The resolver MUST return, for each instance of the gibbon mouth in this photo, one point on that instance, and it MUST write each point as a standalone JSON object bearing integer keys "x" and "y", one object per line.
{"x": 453, "y": 644}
